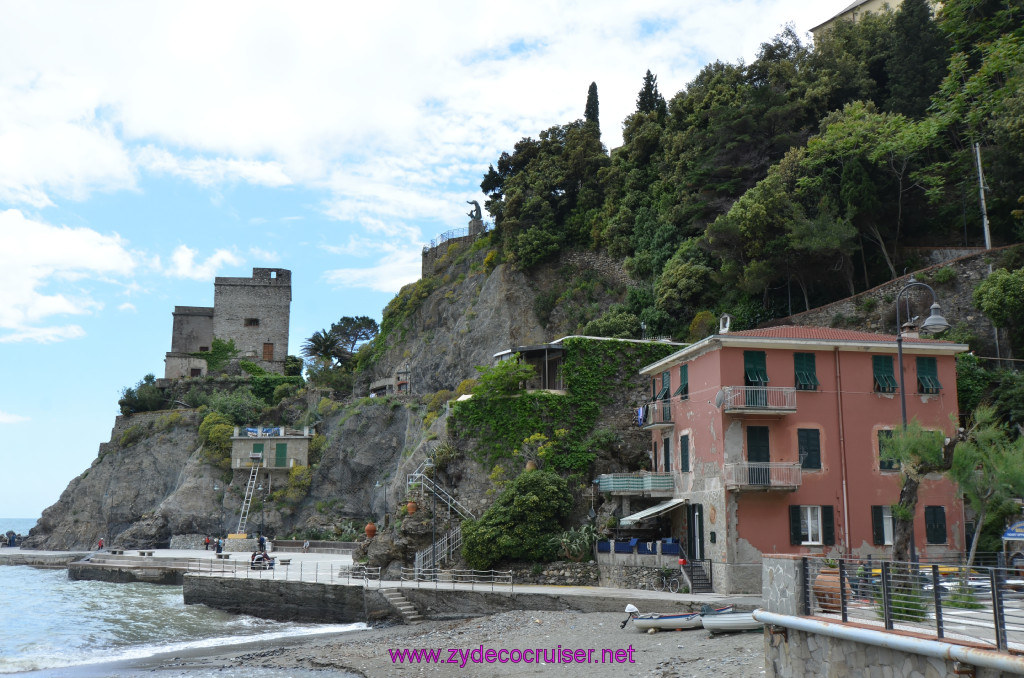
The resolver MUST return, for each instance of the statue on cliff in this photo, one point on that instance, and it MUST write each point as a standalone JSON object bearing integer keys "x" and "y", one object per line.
{"x": 474, "y": 213}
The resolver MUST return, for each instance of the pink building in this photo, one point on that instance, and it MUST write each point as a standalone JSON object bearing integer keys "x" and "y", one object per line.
{"x": 771, "y": 440}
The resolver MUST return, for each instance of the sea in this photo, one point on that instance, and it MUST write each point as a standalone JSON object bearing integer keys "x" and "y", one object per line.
{"x": 51, "y": 626}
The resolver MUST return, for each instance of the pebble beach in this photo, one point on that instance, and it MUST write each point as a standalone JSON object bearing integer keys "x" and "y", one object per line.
{"x": 667, "y": 654}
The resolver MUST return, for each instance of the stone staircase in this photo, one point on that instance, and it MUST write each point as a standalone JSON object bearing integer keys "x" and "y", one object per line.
{"x": 404, "y": 607}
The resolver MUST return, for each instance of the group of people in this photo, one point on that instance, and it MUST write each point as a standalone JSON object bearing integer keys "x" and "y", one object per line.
{"x": 216, "y": 542}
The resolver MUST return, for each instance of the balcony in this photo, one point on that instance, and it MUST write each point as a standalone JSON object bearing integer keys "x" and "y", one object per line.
{"x": 769, "y": 400}
{"x": 651, "y": 484}
{"x": 761, "y": 476}
{"x": 657, "y": 414}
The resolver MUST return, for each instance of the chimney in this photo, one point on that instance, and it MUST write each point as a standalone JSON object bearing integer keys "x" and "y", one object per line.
{"x": 723, "y": 323}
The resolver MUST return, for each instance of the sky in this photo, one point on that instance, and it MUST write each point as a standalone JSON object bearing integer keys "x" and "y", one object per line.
{"x": 146, "y": 148}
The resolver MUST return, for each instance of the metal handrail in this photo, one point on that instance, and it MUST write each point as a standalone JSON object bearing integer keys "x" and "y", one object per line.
{"x": 759, "y": 397}
{"x": 317, "y": 572}
{"x": 763, "y": 474}
{"x": 452, "y": 578}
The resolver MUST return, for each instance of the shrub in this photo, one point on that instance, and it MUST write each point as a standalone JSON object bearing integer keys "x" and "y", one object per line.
{"x": 519, "y": 525}
{"x": 945, "y": 275}
{"x": 215, "y": 435}
{"x": 704, "y": 324}
{"x": 438, "y": 400}
{"x": 131, "y": 435}
{"x": 282, "y": 391}
{"x": 169, "y": 420}
{"x": 143, "y": 397}
{"x": 317, "y": 445}
{"x": 299, "y": 480}
{"x": 491, "y": 261}
{"x": 465, "y": 387}
{"x": 220, "y": 354}
{"x": 504, "y": 379}
{"x": 239, "y": 406}
{"x": 250, "y": 367}
{"x": 577, "y": 545}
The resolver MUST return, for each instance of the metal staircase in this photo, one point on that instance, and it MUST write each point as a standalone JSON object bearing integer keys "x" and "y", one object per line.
{"x": 250, "y": 488}
{"x": 443, "y": 550}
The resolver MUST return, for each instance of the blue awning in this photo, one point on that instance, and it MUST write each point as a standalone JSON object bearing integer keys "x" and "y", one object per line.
{"x": 1014, "y": 532}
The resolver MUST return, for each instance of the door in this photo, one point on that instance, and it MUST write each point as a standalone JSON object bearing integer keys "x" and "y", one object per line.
{"x": 695, "y": 531}
{"x": 268, "y": 352}
{"x": 757, "y": 455}
{"x": 755, "y": 374}
{"x": 281, "y": 455}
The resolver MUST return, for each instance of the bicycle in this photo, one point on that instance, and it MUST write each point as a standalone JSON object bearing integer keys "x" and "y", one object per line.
{"x": 662, "y": 583}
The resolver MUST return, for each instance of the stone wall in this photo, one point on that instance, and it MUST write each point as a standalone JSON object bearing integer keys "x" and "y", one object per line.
{"x": 640, "y": 577}
{"x": 254, "y": 312}
{"x": 608, "y": 268}
{"x": 557, "y": 574}
{"x": 874, "y": 310}
{"x": 433, "y": 255}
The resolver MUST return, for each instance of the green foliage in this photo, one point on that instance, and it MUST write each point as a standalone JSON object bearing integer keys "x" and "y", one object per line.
{"x": 169, "y": 421}
{"x": 438, "y": 400}
{"x": 972, "y": 381}
{"x": 398, "y": 310}
{"x": 131, "y": 435}
{"x": 465, "y": 387}
{"x": 282, "y": 391}
{"x": 649, "y": 100}
{"x": 293, "y": 366}
{"x": 491, "y": 261}
{"x": 704, "y": 324}
{"x": 240, "y": 406}
{"x": 249, "y": 367}
{"x": 299, "y": 480}
{"x": 543, "y": 304}
{"x": 220, "y": 354}
{"x": 617, "y": 323}
{"x": 317, "y": 445}
{"x": 1001, "y": 297}
{"x": 265, "y": 386}
{"x": 519, "y": 525}
{"x": 143, "y": 397}
{"x": 215, "y": 435}
{"x": 592, "y": 111}
{"x": 576, "y": 544}
{"x": 503, "y": 379}
{"x": 944, "y": 275}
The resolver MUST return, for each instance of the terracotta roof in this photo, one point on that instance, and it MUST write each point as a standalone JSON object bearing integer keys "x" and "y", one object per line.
{"x": 826, "y": 334}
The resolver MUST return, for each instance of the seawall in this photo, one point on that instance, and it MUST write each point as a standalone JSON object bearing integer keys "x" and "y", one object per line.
{"x": 40, "y": 559}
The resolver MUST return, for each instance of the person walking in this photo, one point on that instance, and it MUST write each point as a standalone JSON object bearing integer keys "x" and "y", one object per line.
{"x": 220, "y": 545}
{"x": 100, "y": 547}
{"x": 206, "y": 543}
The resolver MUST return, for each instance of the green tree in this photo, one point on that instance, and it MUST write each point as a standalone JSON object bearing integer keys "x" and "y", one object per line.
{"x": 617, "y": 322}
{"x": 649, "y": 100}
{"x": 293, "y": 366}
{"x": 143, "y": 397}
{"x": 989, "y": 469}
{"x": 352, "y": 332}
{"x": 520, "y": 523}
{"x": 917, "y": 62}
{"x": 215, "y": 435}
{"x": 592, "y": 111}
{"x": 1001, "y": 297}
{"x": 504, "y": 379}
{"x": 324, "y": 346}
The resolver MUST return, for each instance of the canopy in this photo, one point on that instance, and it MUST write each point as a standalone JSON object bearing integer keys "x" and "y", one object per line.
{"x": 1014, "y": 532}
{"x": 653, "y": 511}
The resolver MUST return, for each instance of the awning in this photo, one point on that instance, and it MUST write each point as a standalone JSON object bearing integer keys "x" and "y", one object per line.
{"x": 653, "y": 511}
{"x": 1014, "y": 532}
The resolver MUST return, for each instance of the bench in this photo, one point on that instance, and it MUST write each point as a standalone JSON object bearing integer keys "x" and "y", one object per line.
{"x": 222, "y": 556}
{"x": 117, "y": 552}
{"x": 145, "y": 553}
{"x": 285, "y": 561}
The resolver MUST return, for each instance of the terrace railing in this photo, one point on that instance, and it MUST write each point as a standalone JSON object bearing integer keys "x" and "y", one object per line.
{"x": 636, "y": 483}
{"x": 765, "y": 475}
{"x": 761, "y": 399}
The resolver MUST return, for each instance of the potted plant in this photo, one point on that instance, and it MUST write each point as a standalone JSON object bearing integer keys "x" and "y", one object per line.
{"x": 826, "y": 586}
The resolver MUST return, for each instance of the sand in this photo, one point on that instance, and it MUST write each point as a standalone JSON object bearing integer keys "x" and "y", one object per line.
{"x": 366, "y": 653}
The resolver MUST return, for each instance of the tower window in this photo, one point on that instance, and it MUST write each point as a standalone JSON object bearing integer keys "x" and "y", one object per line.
{"x": 252, "y": 322}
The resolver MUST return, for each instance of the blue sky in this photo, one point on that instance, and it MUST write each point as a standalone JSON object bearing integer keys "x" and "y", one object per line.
{"x": 146, "y": 148}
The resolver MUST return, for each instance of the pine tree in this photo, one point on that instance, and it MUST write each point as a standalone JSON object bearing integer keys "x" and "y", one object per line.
{"x": 917, "y": 63}
{"x": 591, "y": 112}
{"x": 650, "y": 100}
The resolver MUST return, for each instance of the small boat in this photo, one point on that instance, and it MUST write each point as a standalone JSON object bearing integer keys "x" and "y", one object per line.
{"x": 717, "y": 621}
{"x": 666, "y": 622}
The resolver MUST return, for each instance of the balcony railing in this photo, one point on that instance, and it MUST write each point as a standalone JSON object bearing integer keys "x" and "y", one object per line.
{"x": 657, "y": 414}
{"x": 763, "y": 475}
{"x": 636, "y": 483}
{"x": 759, "y": 399}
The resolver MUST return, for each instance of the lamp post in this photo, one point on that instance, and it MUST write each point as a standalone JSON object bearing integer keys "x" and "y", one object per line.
{"x": 263, "y": 506}
{"x": 933, "y": 324}
{"x": 378, "y": 485}
{"x": 427, "y": 466}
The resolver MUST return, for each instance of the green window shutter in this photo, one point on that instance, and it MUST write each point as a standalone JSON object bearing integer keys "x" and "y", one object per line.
{"x": 666, "y": 447}
{"x": 935, "y": 524}
{"x": 257, "y": 448}
{"x": 809, "y": 446}
{"x": 795, "y": 537}
{"x": 881, "y": 366}
{"x": 754, "y": 368}
{"x": 684, "y": 453}
{"x": 885, "y": 464}
{"x": 684, "y": 382}
{"x": 927, "y": 375}
{"x": 665, "y": 383}
{"x": 806, "y": 375}
{"x": 281, "y": 454}
{"x": 828, "y": 526}
{"x": 877, "y": 526}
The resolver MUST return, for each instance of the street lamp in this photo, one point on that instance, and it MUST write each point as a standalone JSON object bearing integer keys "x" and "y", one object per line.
{"x": 263, "y": 506}
{"x": 378, "y": 485}
{"x": 427, "y": 466}
{"x": 933, "y": 324}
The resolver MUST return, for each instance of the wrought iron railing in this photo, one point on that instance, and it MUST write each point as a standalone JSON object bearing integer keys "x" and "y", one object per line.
{"x": 457, "y": 578}
{"x": 976, "y": 605}
{"x": 319, "y": 572}
{"x": 763, "y": 475}
{"x": 781, "y": 398}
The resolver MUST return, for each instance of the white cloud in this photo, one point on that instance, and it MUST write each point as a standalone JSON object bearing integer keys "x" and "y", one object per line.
{"x": 213, "y": 171}
{"x": 35, "y": 255}
{"x": 8, "y": 418}
{"x": 127, "y": 306}
{"x": 265, "y": 256}
{"x": 397, "y": 268}
{"x": 184, "y": 264}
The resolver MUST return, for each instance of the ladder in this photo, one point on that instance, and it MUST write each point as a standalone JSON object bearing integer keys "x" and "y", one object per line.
{"x": 250, "y": 488}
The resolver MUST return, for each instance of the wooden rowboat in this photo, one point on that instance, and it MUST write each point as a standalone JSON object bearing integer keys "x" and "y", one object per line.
{"x": 668, "y": 622}
{"x": 729, "y": 622}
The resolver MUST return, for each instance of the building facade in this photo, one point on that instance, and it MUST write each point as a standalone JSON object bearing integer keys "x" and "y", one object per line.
{"x": 275, "y": 448}
{"x": 767, "y": 441}
{"x": 251, "y": 312}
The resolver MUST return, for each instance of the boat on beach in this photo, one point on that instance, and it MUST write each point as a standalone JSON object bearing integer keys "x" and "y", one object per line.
{"x": 727, "y": 621}
{"x": 646, "y": 621}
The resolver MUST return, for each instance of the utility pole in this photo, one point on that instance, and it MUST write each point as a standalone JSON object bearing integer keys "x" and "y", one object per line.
{"x": 984, "y": 224}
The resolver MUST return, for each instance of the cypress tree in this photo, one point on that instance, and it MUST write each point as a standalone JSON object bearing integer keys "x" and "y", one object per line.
{"x": 649, "y": 100}
{"x": 591, "y": 112}
{"x": 917, "y": 62}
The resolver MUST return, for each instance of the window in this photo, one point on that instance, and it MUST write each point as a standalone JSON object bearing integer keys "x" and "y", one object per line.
{"x": 812, "y": 525}
{"x": 806, "y": 377}
{"x": 666, "y": 448}
{"x": 881, "y": 525}
{"x": 935, "y": 524}
{"x": 885, "y": 464}
{"x": 927, "y": 376}
{"x": 684, "y": 453}
{"x": 754, "y": 370}
{"x": 809, "y": 446}
{"x": 684, "y": 382}
{"x": 252, "y": 322}
{"x": 195, "y": 372}
{"x": 885, "y": 382}
{"x": 268, "y": 352}
{"x": 204, "y": 349}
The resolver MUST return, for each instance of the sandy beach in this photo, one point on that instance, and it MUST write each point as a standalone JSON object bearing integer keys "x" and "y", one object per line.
{"x": 366, "y": 653}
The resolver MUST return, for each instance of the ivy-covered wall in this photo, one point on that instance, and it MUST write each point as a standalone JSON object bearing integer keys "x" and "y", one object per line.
{"x": 597, "y": 374}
